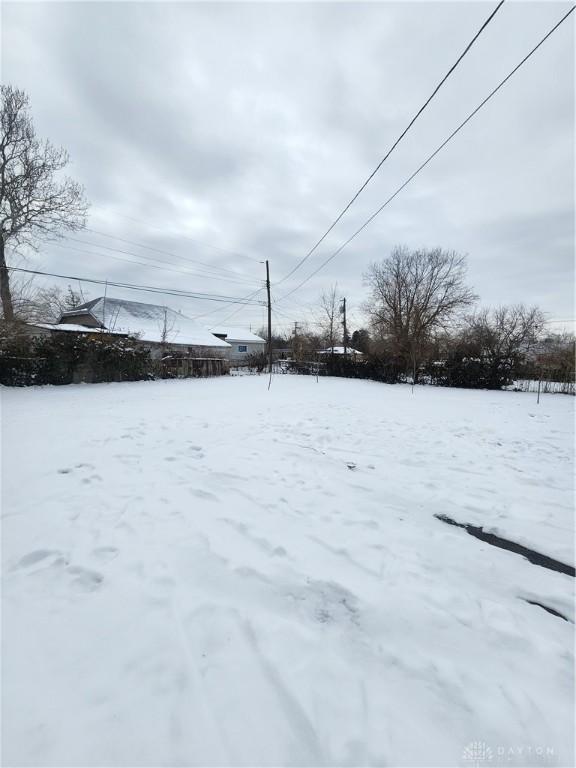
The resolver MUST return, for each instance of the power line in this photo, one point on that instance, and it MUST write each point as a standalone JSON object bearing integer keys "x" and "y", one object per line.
{"x": 310, "y": 306}
{"x": 398, "y": 140}
{"x": 291, "y": 318}
{"x": 283, "y": 314}
{"x": 436, "y": 151}
{"x": 219, "y": 309}
{"x": 145, "y": 288}
{"x": 156, "y": 265}
{"x": 213, "y": 270}
{"x": 185, "y": 237}
{"x": 212, "y": 267}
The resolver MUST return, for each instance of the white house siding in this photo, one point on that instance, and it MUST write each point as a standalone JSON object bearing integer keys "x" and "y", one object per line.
{"x": 242, "y": 341}
{"x": 241, "y": 349}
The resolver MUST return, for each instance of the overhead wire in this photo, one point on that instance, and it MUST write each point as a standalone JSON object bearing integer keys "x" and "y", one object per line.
{"x": 395, "y": 144}
{"x": 215, "y": 271}
{"x": 185, "y": 237}
{"x": 146, "y": 263}
{"x": 432, "y": 156}
{"x": 219, "y": 309}
{"x": 211, "y": 267}
{"x": 145, "y": 288}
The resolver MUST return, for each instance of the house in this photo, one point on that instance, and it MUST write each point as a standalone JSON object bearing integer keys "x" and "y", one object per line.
{"x": 243, "y": 343}
{"x": 162, "y": 329}
{"x": 349, "y": 352}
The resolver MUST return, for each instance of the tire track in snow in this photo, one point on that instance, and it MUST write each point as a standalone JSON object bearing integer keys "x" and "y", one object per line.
{"x": 292, "y": 709}
{"x": 248, "y": 711}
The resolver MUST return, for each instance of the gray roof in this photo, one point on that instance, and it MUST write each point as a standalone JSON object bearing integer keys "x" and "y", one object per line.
{"x": 150, "y": 322}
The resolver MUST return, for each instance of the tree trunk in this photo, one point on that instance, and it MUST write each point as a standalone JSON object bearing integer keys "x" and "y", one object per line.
{"x": 5, "y": 294}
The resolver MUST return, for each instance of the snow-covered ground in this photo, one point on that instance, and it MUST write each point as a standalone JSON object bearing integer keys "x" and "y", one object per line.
{"x": 203, "y": 572}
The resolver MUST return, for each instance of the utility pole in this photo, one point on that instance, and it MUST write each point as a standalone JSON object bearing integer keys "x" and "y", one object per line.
{"x": 269, "y": 318}
{"x": 295, "y": 341}
{"x": 539, "y": 386}
{"x": 104, "y": 304}
{"x": 344, "y": 324}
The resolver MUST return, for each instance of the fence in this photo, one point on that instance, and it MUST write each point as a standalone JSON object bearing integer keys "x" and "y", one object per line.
{"x": 390, "y": 372}
{"x": 190, "y": 367}
{"x": 547, "y": 385}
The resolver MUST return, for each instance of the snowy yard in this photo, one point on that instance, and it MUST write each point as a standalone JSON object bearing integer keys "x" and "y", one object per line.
{"x": 202, "y": 572}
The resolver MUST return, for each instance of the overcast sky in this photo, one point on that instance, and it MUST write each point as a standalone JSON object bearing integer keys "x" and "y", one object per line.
{"x": 249, "y": 126}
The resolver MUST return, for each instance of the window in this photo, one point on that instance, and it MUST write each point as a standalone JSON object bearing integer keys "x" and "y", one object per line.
{"x": 242, "y": 348}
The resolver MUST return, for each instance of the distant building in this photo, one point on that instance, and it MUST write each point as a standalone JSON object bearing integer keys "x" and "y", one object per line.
{"x": 349, "y": 352}
{"x": 242, "y": 342}
{"x": 162, "y": 329}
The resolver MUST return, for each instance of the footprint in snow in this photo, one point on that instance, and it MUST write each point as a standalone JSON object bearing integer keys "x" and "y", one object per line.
{"x": 325, "y": 603}
{"x": 32, "y": 558}
{"x": 85, "y": 580}
{"x": 203, "y": 494}
{"x": 105, "y": 554}
{"x": 55, "y": 561}
{"x": 83, "y": 465}
{"x": 279, "y": 552}
{"x": 91, "y": 479}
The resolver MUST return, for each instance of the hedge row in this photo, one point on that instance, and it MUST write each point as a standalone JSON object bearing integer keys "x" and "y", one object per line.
{"x": 70, "y": 358}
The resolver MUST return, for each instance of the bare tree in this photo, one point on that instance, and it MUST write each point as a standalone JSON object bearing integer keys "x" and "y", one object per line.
{"x": 48, "y": 304}
{"x": 304, "y": 343}
{"x": 413, "y": 295}
{"x": 23, "y": 292}
{"x": 167, "y": 331}
{"x": 557, "y": 352}
{"x": 279, "y": 340}
{"x": 329, "y": 310}
{"x": 505, "y": 335}
{"x": 361, "y": 340}
{"x": 40, "y": 305}
{"x": 33, "y": 202}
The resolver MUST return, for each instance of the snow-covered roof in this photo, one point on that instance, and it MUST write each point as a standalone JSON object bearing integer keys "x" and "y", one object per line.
{"x": 239, "y": 334}
{"x": 74, "y": 328}
{"x": 150, "y": 322}
{"x": 339, "y": 351}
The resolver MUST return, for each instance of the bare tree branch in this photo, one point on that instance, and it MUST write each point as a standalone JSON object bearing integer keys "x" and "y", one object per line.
{"x": 329, "y": 308}
{"x": 35, "y": 203}
{"x": 415, "y": 294}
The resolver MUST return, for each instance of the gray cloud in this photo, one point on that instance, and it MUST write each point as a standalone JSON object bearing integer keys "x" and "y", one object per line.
{"x": 250, "y": 125}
